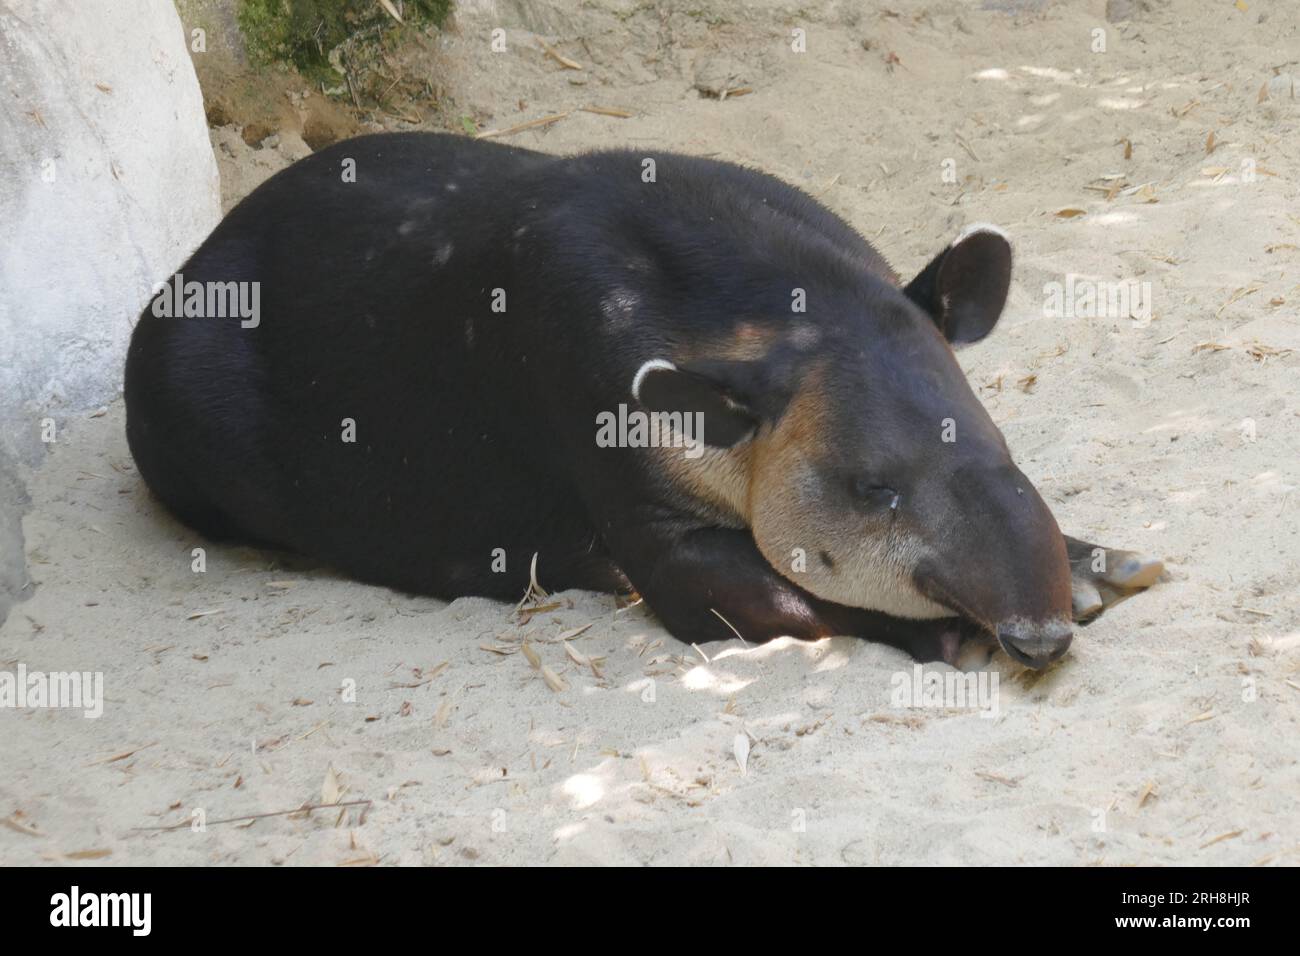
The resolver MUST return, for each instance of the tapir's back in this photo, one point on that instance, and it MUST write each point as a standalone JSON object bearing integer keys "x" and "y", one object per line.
{"x": 437, "y": 322}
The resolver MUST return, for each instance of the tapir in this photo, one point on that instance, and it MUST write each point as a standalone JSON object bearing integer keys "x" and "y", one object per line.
{"x": 447, "y": 365}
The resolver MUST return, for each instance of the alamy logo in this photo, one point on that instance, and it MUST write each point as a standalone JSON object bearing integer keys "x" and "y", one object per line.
{"x": 103, "y": 909}
{"x": 976, "y": 690}
{"x": 638, "y": 429}
{"x": 1082, "y": 298}
{"x": 177, "y": 299}
{"x": 71, "y": 689}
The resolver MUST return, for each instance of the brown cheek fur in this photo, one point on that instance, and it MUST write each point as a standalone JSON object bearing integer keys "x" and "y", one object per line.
{"x": 755, "y": 485}
{"x": 726, "y": 484}
{"x": 785, "y": 516}
{"x": 715, "y": 486}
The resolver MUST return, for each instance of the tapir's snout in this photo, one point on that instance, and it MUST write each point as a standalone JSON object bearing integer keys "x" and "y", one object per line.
{"x": 1035, "y": 643}
{"x": 1004, "y": 567}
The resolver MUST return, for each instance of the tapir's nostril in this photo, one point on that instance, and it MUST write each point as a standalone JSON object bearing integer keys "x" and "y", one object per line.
{"x": 1035, "y": 643}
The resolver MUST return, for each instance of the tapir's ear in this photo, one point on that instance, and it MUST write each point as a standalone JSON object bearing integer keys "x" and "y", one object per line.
{"x": 730, "y": 395}
{"x": 965, "y": 287}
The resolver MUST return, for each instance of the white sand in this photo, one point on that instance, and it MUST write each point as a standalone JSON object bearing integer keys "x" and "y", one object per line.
{"x": 1170, "y": 733}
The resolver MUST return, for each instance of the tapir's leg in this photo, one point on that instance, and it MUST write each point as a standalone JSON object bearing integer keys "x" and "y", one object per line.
{"x": 709, "y": 584}
{"x": 1102, "y": 577}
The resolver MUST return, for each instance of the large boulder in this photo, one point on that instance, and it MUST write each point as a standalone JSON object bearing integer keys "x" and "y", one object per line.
{"x": 109, "y": 183}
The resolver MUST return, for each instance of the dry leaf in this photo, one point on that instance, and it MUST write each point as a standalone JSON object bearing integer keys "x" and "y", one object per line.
{"x": 331, "y": 791}
{"x": 13, "y": 823}
{"x": 88, "y": 854}
{"x": 606, "y": 111}
{"x": 553, "y": 680}
{"x": 1232, "y": 834}
{"x": 740, "y": 748}
{"x": 560, "y": 58}
{"x": 1005, "y": 781}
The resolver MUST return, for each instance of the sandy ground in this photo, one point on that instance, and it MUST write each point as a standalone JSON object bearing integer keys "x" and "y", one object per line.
{"x": 1168, "y": 736}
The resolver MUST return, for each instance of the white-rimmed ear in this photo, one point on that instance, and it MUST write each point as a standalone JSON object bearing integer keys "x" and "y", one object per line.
{"x": 964, "y": 288}
{"x": 707, "y": 390}
{"x": 975, "y": 227}
{"x": 662, "y": 365}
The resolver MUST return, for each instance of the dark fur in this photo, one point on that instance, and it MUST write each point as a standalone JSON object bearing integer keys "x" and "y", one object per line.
{"x": 475, "y": 429}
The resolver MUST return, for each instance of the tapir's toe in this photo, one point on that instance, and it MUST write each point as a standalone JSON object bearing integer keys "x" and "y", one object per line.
{"x": 1130, "y": 571}
{"x": 1085, "y": 600}
{"x": 1102, "y": 577}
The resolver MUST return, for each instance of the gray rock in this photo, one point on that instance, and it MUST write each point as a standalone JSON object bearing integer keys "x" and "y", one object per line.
{"x": 109, "y": 183}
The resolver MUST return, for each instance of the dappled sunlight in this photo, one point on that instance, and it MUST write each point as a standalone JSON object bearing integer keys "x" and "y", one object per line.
{"x": 570, "y": 830}
{"x": 639, "y": 686}
{"x": 776, "y": 646}
{"x": 834, "y": 659}
{"x": 1271, "y": 481}
{"x": 1044, "y": 99}
{"x": 1120, "y": 103}
{"x": 992, "y": 73}
{"x": 703, "y": 678}
{"x": 584, "y": 790}
{"x": 1284, "y": 644}
{"x": 1119, "y": 217}
{"x": 697, "y": 763}
{"x": 1217, "y": 176}
{"x": 827, "y": 654}
{"x": 1052, "y": 73}
{"x": 1077, "y": 116}
{"x": 1189, "y": 422}
{"x": 546, "y": 737}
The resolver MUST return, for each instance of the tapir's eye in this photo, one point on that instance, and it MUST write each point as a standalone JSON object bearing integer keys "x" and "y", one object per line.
{"x": 869, "y": 493}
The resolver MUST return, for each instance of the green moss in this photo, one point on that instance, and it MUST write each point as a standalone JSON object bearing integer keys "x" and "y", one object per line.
{"x": 303, "y": 32}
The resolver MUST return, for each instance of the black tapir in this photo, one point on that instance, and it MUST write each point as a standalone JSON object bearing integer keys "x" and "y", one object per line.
{"x": 425, "y": 359}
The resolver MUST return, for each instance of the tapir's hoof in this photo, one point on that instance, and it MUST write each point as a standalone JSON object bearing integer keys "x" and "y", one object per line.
{"x": 1085, "y": 600}
{"x": 1122, "y": 574}
{"x": 1134, "y": 571}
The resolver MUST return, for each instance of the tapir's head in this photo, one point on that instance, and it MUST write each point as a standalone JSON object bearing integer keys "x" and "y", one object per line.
{"x": 866, "y": 468}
